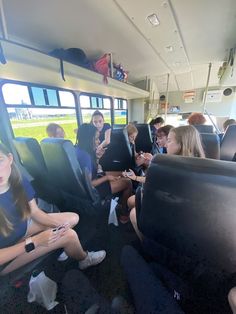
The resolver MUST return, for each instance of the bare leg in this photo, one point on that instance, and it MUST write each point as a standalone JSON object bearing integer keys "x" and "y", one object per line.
{"x": 71, "y": 218}
{"x": 69, "y": 242}
{"x": 123, "y": 185}
{"x": 131, "y": 202}
{"x": 133, "y": 220}
{"x": 232, "y": 299}
{"x": 114, "y": 173}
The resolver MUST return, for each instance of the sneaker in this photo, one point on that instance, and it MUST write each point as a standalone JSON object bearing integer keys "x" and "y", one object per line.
{"x": 63, "y": 257}
{"x": 92, "y": 258}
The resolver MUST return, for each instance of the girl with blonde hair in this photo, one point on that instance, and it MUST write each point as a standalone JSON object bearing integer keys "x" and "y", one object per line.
{"x": 183, "y": 141}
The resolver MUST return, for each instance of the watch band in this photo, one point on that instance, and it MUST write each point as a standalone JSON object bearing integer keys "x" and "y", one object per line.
{"x": 28, "y": 240}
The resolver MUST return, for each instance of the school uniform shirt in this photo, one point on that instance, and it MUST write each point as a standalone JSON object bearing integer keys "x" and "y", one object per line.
{"x": 12, "y": 214}
{"x": 106, "y": 127}
{"x": 85, "y": 161}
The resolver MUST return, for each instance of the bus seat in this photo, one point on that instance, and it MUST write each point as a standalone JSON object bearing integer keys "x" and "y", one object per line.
{"x": 118, "y": 156}
{"x": 31, "y": 157}
{"x": 189, "y": 206}
{"x": 143, "y": 141}
{"x": 204, "y": 128}
{"x": 228, "y": 144}
{"x": 64, "y": 169}
{"x": 63, "y": 166}
{"x": 211, "y": 145}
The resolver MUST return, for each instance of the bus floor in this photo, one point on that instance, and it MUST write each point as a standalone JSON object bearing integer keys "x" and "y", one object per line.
{"x": 107, "y": 278}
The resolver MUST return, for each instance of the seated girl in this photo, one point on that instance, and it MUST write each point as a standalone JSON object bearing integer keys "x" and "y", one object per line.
{"x": 183, "y": 141}
{"x": 55, "y": 130}
{"x": 162, "y": 135}
{"x": 103, "y": 128}
{"x": 106, "y": 183}
{"x": 139, "y": 159}
{"x": 26, "y": 232}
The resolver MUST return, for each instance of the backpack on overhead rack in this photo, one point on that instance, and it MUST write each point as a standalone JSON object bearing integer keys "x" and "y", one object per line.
{"x": 73, "y": 55}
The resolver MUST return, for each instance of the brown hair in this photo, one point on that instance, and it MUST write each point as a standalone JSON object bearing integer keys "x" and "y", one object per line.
{"x": 19, "y": 197}
{"x": 189, "y": 140}
{"x": 131, "y": 129}
{"x": 196, "y": 118}
{"x": 227, "y": 123}
{"x": 96, "y": 113}
{"x": 164, "y": 130}
{"x": 52, "y": 129}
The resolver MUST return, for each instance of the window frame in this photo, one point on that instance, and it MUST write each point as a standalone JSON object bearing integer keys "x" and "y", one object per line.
{"x": 44, "y": 87}
{"x": 112, "y": 109}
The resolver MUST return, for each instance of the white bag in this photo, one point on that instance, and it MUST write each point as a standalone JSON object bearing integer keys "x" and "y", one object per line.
{"x": 112, "y": 219}
{"x": 43, "y": 290}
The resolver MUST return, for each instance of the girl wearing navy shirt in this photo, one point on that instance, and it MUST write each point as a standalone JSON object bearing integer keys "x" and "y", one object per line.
{"x": 26, "y": 232}
{"x": 104, "y": 129}
{"x": 86, "y": 150}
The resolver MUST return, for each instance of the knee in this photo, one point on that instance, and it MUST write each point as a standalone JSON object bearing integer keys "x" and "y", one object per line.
{"x": 73, "y": 219}
{"x": 131, "y": 201}
{"x": 232, "y": 297}
{"x": 70, "y": 236}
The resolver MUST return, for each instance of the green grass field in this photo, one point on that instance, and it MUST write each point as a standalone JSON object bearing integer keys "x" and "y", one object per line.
{"x": 37, "y": 129}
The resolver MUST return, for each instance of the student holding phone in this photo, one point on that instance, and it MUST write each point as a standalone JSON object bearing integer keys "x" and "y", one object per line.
{"x": 106, "y": 183}
{"x": 26, "y": 232}
{"x": 183, "y": 141}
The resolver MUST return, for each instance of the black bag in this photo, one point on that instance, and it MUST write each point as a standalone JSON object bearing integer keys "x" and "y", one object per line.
{"x": 73, "y": 55}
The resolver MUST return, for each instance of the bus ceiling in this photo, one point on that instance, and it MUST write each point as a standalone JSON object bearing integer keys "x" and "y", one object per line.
{"x": 149, "y": 38}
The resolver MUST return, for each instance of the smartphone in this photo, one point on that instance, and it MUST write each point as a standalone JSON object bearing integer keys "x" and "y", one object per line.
{"x": 129, "y": 173}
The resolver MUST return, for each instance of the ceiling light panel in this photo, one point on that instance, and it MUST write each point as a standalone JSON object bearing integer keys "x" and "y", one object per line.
{"x": 165, "y": 38}
{"x": 153, "y": 19}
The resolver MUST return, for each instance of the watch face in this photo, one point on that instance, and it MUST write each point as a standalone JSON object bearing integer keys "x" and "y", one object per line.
{"x": 29, "y": 247}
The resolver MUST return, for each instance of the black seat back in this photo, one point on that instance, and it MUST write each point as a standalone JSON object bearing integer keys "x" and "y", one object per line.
{"x": 32, "y": 159}
{"x": 211, "y": 145}
{"x": 118, "y": 156}
{"x": 228, "y": 144}
{"x": 189, "y": 206}
{"x": 31, "y": 156}
{"x": 204, "y": 128}
{"x": 143, "y": 141}
{"x": 63, "y": 166}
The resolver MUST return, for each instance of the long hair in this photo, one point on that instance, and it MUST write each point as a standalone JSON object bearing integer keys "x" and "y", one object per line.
{"x": 189, "y": 140}
{"x": 96, "y": 113}
{"x": 86, "y": 138}
{"x": 19, "y": 197}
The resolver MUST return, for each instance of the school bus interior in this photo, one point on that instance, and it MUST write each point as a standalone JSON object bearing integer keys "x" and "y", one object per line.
{"x": 165, "y": 58}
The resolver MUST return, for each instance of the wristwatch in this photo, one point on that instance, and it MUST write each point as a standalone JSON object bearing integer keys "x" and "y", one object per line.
{"x": 29, "y": 245}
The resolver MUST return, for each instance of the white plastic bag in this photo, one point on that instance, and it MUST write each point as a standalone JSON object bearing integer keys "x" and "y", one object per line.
{"x": 112, "y": 219}
{"x": 43, "y": 290}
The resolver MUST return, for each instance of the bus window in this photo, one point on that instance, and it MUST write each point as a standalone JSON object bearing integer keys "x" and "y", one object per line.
{"x": 90, "y": 103}
{"x": 67, "y": 99}
{"x": 120, "y": 111}
{"x": 38, "y": 96}
{"x": 84, "y": 101}
{"x": 32, "y": 122}
{"x": 32, "y": 108}
{"x": 87, "y": 114}
{"x": 15, "y": 94}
